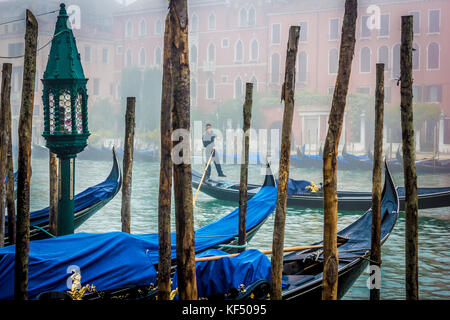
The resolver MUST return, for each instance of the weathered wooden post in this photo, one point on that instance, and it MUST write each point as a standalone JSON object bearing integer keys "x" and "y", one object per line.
{"x": 244, "y": 165}
{"x": 128, "y": 164}
{"x": 330, "y": 152}
{"x": 409, "y": 156}
{"x": 375, "y": 250}
{"x": 287, "y": 94}
{"x": 53, "y": 197}
{"x": 165, "y": 175}
{"x": 24, "y": 159}
{"x": 10, "y": 203}
{"x": 3, "y": 148}
{"x": 182, "y": 170}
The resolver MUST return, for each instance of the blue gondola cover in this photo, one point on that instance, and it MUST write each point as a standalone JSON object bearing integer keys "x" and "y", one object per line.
{"x": 219, "y": 276}
{"x": 107, "y": 261}
{"x": 115, "y": 260}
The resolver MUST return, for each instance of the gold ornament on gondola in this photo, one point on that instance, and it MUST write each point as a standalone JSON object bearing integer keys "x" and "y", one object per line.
{"x": 76, "y": 283}
{"x": 313, "y": 187}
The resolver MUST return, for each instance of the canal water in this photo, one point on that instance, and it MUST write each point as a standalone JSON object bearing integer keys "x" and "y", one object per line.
{"x": 303, "y": 226}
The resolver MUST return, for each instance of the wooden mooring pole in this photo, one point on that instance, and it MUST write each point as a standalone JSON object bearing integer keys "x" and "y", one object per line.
{"x": 4, "y": 137}
{"x": 330, "y": 152}
{"x": 375, "y": 250}
{"x": 287, "y": 94}
{"x": 53, "y": 196}
{"x": 409, "y": 167}
{"x": 247, "y": 111}
{"x": 10, "y": 202}
{"x": 165, "y": 171}
{"x": 182, "y": 170}
{"x": 24, "y": 159}
{"x": 128, "y": 164}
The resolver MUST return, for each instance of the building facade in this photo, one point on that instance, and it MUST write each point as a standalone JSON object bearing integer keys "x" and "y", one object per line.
{"x": 234, "y": 42}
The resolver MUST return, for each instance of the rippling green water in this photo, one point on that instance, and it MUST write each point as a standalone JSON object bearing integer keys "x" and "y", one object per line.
{"x": 303, "y": 226}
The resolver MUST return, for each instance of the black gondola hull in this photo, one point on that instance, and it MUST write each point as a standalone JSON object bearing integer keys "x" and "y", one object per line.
{"x": 347, "y": 200}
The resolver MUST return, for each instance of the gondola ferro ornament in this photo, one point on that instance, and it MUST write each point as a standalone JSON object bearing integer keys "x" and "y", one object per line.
{"x": 65, "y": 114}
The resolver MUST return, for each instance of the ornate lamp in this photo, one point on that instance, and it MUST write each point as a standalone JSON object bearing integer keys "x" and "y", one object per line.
{"x": 65, "y": 114}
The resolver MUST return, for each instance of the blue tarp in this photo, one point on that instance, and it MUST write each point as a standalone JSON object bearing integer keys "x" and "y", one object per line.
{"x": 225, "y": 229}
{"x": 108, "y": 261}
{"x": 83, "y": 200}
{"x": 115, "y": 260}
{"x": 219, "y": 276}
{"x": 297, "y": 186}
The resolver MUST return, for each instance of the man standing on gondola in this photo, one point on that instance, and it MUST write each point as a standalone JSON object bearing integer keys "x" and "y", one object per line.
{"x": 208, "y": 139}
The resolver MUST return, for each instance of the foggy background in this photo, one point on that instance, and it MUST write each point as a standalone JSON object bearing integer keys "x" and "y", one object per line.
{"x": 233, "y": 42}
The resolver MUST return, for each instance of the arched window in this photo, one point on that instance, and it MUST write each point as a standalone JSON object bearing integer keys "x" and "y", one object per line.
{"x": 396, "y": 61}
{"x": 383, "y": 56}
{"x": 194, "y": 23}
{"x": 275, "y": 68}
{"x": 238, "y": 51}
{"x": 333, "y": 61}
{"x": 302, "y": 66}
{"x": 416, "y": 57}
{"x": 255, "y": 83}
{"x": 128, "y": 60}
{"x": 158, "y": 57}
{"x": 251, "y": 16}
{"x": 238, "y": 87}
{"x": 143, "y": 28}
{"x": 365, "y": 60}
{"x": 210, "y": 89}
{"x": 194, "y": 54}
{"x": 158, "y": 27}
{"x": 433, "y": 56}
{"x": 142, "y": 57}
{"x": 254, "y": 50}
{"x": 242, "y": 17}
{"x": 128, "y": 29}
{"x": 212, "y": 21}
{"x": 211, "y": 52}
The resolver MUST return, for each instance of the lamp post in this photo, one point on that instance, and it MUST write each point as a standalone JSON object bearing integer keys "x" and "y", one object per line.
{"x": 65, "y": 114}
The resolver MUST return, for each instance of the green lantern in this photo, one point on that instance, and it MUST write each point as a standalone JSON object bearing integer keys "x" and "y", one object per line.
{"x": 65, "y": 114}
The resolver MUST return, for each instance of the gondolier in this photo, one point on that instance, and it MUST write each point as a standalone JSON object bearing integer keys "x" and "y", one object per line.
{"x": 208, "y": 139}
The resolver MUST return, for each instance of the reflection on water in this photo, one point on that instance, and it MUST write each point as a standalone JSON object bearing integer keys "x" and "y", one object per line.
{"x": 303, "y": 226}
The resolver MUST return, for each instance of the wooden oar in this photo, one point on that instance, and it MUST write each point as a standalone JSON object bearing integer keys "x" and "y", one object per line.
{"x": 263, "y": 251}
{"x": 204, "y": 173}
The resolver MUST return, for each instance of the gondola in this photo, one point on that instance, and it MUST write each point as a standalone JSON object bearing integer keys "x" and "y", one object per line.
{"x": 247, "y": 275}
{"x": 87, "y": 203}
{"x": 301, "y": 197}
{"x": 363, "y": 162}
{"x": 422, "y": 166}
{"x": 302, "y": 270}
{"x": 303, "y": 160}
{"x": 118, "y": 263}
